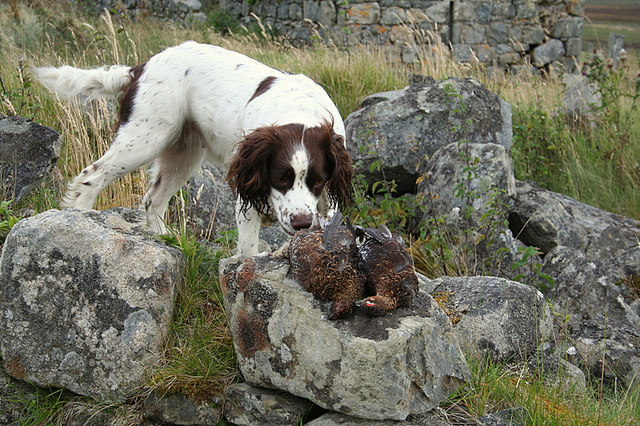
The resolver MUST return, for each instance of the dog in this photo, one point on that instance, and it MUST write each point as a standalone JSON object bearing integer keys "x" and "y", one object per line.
{"x": 279, "y": 135}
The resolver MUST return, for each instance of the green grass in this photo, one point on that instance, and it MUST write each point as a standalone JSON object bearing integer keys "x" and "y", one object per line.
{"x": 596, "y": 166}
{"x": 540, "y": 399}
{"x": 597, "y": 33}
{"x": 199, "y": 358}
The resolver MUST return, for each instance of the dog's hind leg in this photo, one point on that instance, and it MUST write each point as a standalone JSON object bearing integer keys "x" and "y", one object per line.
{"x": 170, "y": 171}
{"x": 133, "y": 147}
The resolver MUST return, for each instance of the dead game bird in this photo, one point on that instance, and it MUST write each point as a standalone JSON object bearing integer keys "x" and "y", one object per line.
{"x": 388, "y": 269}
{"x": 325, "y": 263}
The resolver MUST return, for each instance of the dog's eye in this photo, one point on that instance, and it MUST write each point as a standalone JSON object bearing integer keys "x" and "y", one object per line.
{"x": 317, "y": 186}
{"x": 285, "y": 179}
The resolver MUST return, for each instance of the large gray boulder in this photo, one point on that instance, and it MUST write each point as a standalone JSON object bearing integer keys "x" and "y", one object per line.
{"x": 593, "y": 258}
{"x": 546, "y": 219}
{"x": 460, "y": 175}
{"x": 504, "y": 319}
{"x": 411, "y": 125}
{"x": 86, "y": 302}
{"x": 28, "y": 152}
{"x": 377, "y": 368}
{"x": 608, "y": 349}
{"x": 587, "y": 288}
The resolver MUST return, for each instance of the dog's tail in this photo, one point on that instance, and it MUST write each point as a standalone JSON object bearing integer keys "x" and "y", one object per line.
{"x": 68, "y": 81}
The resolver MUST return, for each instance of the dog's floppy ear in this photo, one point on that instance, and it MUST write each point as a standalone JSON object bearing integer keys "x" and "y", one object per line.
{"x": 248, "y": 173}
{"x": 339, "y": 186}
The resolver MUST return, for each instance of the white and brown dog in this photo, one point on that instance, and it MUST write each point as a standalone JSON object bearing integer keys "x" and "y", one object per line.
{"x": 280, "y": 135}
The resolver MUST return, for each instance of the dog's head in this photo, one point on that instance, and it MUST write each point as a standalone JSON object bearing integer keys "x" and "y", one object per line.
{"x": 291, "y": 170}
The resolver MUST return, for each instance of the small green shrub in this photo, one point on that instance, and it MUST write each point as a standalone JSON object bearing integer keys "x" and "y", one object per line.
{"x": 7, "y": 219}
{"x": 222, "y": 22}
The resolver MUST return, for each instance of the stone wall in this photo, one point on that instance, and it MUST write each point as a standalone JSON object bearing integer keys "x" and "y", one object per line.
{"x": 503, "y": 32}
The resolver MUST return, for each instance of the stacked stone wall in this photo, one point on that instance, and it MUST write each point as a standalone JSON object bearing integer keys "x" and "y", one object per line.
{"x": 502, "y": 32}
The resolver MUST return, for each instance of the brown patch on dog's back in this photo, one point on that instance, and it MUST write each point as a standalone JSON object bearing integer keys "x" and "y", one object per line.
{"x": 263, "y": 87}
{"x": 128, "y": 94}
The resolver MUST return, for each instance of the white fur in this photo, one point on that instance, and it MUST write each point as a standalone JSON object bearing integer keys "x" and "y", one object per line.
{"x": 192, "y": 102}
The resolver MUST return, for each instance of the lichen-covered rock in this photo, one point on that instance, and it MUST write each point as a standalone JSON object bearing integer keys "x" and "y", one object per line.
{"x": 377, "y": 368}
{"x": 586, "y": 288}
{"x": 432, "y": 418}
{"x": 405, "y": 130}
{"x": 476, "y": 173}
{"x": 28, "y": 152}
{"x": 178, "y": 409}
{"x": 85, "y": 302}
{"x": 546, "y": 219}
{"x": 246, "y": 405}
{"x": 607, "y": 348}
{"x": 592, "y": 255}
{"x": 502, "y": 318}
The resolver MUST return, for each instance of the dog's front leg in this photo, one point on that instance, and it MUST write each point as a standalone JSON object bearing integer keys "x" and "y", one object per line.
{"x": 249, "y": 224}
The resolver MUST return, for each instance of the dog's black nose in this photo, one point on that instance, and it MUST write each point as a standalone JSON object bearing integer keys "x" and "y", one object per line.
{"x": 301, "y": 221}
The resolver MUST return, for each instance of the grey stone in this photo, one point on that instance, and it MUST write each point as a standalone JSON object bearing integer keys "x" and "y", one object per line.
{"x": 28, "y": 152}
{"x": 494, "y": 316}
{"x": 188, "y": 4}
{"x": 251, "y": 406}
{"x": 364, "y": 13}
{"x": 462, "y": 52}
{"x": 473, "y": 34}
{"x": 497, "y": 32}
{"x": 378, "y": 368}
{"x": 405, "y": 130}
{"x": 614, "y": 46}
{"x": 380, "y": 97}
{"x": 178, "y": 409}
{"x": 533, "y": 35}
{"x": 573, "y": 46}
{"x": 486, "y": 172}
{"x": 547, "y": 52}
{"x": 527, "y": 9}
{"x": 283, "y": 10}
{"x": 432, "y": 418}
{"x": 439, "y": 12}
{"x": 323, "y": 12}
{"x": 504, "y": 10}
{"x": 610, "y": 349}
{"x": 568, "y": 27}
{"x": 295, "y": 12}
{"x": 86, "y": 302}
{"x": 575, "y": 8}
{"x": 464, "y": 11}
{"x": 485, "y": 53}
{"x": 581, "y": 99}
{"x": 393, "y": 15}
{"x": 508, "y": 417}
{"x": 484, "y": 10}
{"x": 508, "y": 58}
{"x": 558, "y": 372}
{"x": 546, "y": 219}
{"x": 210, "y": 204}
{"x": 586, "y": 287}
